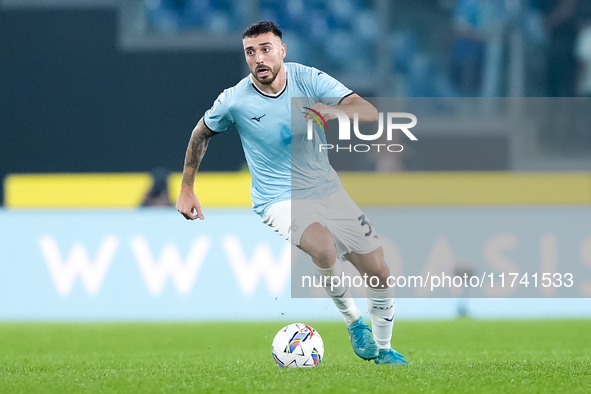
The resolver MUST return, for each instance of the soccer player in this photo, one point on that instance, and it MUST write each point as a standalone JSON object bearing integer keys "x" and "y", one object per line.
{"x": 328, "y": 225}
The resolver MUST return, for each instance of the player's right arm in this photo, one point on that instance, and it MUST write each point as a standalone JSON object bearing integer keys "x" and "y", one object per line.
{"x": 188, "y": 202}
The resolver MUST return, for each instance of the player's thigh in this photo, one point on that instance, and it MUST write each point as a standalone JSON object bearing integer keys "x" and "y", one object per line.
{"x": 350, "y": 227}
{"x": 291, "y": 220}
{"x": 319, "y": 244}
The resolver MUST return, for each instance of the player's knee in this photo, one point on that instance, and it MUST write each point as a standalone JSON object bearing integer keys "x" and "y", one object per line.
{"x": 382, "y": 272}
{"x": 325, "y": 254}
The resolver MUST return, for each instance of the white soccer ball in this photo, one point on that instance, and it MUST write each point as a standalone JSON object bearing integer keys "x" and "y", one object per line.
{"x": 298, "y": 346}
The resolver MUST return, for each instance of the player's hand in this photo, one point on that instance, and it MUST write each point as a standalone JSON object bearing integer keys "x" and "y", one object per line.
{"x": 188, "y": 205}
{"x": 318, "y": 107}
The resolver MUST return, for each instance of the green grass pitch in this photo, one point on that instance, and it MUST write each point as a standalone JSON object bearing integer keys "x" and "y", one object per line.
{"x": 446, "y": 356}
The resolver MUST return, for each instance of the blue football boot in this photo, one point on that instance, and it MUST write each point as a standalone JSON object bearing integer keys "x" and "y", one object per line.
{"x": 390, "y": 357}
{"x": 362, "y": 340}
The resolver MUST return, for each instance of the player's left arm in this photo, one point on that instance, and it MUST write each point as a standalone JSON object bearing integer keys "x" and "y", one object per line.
{"x": 350, "y": 105}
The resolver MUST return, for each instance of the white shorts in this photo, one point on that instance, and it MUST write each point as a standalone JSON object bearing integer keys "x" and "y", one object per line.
{"x": 350, "y": 228}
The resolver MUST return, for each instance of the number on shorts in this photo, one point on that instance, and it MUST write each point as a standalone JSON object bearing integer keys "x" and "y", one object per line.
{"x": 365, "y": 223}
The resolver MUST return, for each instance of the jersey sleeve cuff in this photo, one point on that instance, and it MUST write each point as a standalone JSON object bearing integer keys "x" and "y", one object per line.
{"x": 210, "y": 129}
{"x": 345, "y": 96}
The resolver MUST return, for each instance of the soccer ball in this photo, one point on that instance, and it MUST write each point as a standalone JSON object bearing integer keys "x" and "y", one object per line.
{"x": 298, "y": 346}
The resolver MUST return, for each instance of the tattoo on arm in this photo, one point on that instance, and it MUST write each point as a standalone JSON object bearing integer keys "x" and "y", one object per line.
{"x": 195, "y": 151}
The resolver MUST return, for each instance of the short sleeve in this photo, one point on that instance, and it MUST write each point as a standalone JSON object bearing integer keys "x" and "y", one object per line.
{"x": 329, "y": 89}
{"x": 218, "y": 117}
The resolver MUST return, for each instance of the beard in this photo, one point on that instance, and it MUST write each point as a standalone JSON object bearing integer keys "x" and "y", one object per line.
{"x": 269, "y": 77}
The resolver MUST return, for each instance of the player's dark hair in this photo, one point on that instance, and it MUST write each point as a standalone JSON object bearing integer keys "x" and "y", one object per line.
{"x": 262, "y": 27}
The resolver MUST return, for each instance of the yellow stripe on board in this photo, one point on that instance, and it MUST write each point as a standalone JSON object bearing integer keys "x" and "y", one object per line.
{"x": 126, "y": 190}
{"x": 367, "y": 189}
{"x": 468, "y": 188}
{"x": 75, "y": 190}
{"x": 216, "y": 189}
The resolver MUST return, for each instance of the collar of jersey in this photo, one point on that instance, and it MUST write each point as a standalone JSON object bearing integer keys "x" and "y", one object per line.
{"x": 267, "y": 94}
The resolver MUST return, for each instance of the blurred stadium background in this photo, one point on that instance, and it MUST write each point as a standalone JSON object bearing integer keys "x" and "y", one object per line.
{"x": 98, "y": 99}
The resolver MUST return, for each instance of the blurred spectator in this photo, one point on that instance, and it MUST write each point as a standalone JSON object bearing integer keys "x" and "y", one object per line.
{"x": 157, "y": 196}
{"x": 216, "y": 16}
{"x": 385, "y": 161}
{"x": 322, "y": 33}
{"x": 478, "y": 26}
{"x": 561, "y": 26}
{"x": 583, "y": 53}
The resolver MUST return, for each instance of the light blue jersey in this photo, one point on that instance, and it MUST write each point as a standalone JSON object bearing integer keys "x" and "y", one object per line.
{"x": 264, "y": 123}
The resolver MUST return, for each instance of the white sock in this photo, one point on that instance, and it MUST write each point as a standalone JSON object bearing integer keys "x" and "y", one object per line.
{"x": 341, "y": 296}
{"x": 380, "y": 305}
